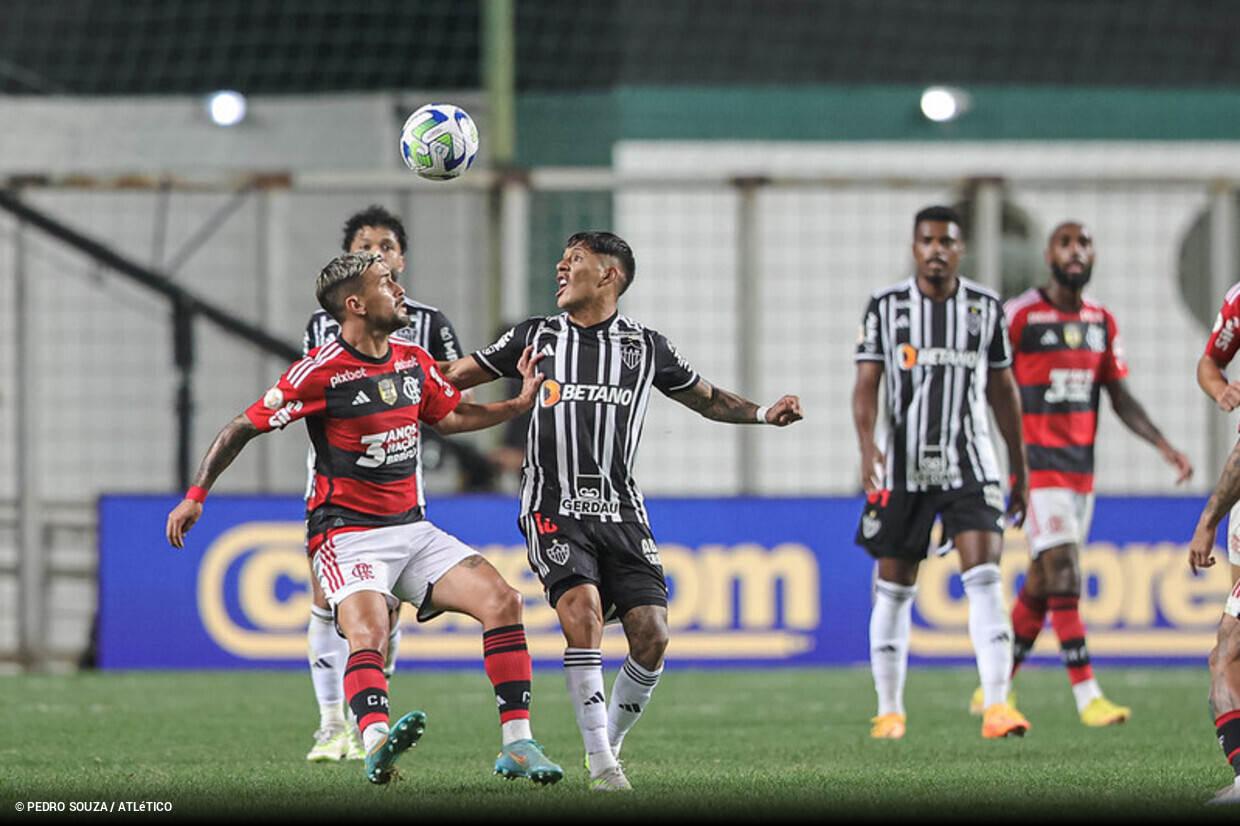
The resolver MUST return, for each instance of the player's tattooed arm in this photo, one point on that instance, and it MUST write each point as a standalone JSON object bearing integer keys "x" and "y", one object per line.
{"x": 1225, "y": 495}
{"x": 228, "y": 443}
{"x": 721, "y": 405}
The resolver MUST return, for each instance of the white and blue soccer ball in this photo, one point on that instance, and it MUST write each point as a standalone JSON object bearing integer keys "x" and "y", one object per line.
{"x": 439, "y": 141}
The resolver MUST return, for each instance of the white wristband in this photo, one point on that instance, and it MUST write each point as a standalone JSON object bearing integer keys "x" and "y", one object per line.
{"x": 760, "y": 416}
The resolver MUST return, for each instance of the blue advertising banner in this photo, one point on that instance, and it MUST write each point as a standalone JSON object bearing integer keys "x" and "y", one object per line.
{"x": 761, "y": 582}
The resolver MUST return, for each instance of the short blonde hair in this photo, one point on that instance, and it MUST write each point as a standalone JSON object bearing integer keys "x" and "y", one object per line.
{"x": 340, "y": 275}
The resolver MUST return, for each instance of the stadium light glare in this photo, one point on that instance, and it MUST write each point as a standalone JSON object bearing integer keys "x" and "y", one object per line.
{"x": 226, "y": 108}
{"x": 943, "y": 104}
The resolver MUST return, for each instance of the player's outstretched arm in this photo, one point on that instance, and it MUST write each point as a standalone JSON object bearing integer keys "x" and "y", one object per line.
{"x": 1225, "y": 495}
{"x": 464, "y": 373}
{"x": 721, "y": 405}
{"x": 228, "y": 443}
{"x": 1133, "y": 415}
{"x": 467, "y": 416}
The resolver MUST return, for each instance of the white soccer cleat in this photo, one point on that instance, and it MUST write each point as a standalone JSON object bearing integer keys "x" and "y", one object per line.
{"x": 330, "y": 745}
{"x": 610, "y": 780}
{"x": 1225, "y": 795}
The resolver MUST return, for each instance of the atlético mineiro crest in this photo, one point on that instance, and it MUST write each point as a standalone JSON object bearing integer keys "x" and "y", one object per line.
{"x": 558, "y": 552}
{"x": 631, "y": 355}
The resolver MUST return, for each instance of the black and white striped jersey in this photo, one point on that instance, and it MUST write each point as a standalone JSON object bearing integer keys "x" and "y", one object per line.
{"x": 585, "y": 429}
{"x": 428, "y": 327}
{"x": 936, "y": 357}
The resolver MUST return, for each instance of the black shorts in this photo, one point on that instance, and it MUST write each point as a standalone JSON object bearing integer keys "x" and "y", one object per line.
{"x": 619, "y": 558}
{"x": 899, "y": 523}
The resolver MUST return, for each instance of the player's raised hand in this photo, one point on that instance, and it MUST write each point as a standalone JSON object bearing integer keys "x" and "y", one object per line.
{"x": 531, "y": 377}
{"x": 785, "y": 411}
{"x": 181, "y": 519}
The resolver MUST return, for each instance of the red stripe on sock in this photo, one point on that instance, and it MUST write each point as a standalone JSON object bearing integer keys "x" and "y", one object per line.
{"x": 506, "y": 659}
{"x": 1066, "y": 620}
{"x": 364, "y": 673}
{"x": 1028, "y": 615}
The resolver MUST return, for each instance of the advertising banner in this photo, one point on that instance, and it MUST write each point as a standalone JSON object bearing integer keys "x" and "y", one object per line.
{"x": 757, "y": 582}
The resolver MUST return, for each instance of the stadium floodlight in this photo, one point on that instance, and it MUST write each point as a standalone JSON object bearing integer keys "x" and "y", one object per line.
{"x": 943, "y": 104}
{"x": 226, "y": 108}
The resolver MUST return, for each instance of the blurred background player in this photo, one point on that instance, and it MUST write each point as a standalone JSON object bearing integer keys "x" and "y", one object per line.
{"x": 938, "y": 461}
{"x": 1066, "y": 350}
{"x": 376, "y": 230}
{"x": 582, "y": 513}
{"x": 364, "y": 397}
{"x": 1224, "y": 661}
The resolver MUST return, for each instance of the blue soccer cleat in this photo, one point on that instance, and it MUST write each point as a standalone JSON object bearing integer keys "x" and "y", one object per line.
{"x": 525, "y": 758}
{"x": 381, "y": 761}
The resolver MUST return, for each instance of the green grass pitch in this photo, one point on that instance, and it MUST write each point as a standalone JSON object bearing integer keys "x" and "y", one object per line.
{"x": 737, "y": 745}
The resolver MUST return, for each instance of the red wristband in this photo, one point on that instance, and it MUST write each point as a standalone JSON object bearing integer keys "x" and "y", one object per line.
{"x": 196, "y": 493}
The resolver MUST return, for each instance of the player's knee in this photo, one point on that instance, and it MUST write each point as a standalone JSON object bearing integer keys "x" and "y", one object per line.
{"x": 648, "y": 650}
{"x": 367, "y": 636}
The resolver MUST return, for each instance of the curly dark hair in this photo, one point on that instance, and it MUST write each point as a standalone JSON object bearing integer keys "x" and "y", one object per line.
{"x": 374, "y": 216}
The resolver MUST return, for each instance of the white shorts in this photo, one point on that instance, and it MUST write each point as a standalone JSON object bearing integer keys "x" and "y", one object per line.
{"x": 1057, "y": 516}
{"x": 1233, "y": 601}
{"x": 401, "y": 562}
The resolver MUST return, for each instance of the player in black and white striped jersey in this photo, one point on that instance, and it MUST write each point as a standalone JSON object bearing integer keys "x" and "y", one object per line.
{"x": 582, "y": 512}
{"x": 938, "y": 344}
{"x": 373, "y": 229}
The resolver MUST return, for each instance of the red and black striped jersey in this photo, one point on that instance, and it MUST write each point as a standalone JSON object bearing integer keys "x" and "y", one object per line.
{"x": 1061, "y": 362}
{"x": 363, "y": 415}
{"x": 1224, "y": 339}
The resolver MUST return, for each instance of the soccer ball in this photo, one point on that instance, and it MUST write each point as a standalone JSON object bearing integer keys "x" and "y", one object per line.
{"x": 439, "y": 141}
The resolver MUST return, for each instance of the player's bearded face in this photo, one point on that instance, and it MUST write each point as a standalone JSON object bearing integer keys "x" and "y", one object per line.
{"x": 1074, "y": 278}
{"x": 385, "y": 301}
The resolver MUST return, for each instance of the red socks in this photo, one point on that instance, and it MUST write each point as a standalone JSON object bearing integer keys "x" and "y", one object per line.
{"x": 507, "y": 662}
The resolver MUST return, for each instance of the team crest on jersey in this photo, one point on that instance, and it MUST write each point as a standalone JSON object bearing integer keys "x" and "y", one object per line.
{"x": 631, "y": 354}
{"x": 558, "y": 552}
{"x": 1072, "y": 336}
{"x": 974, "y": 321}
{"x": 411, "y": 389}
{"x": 387, "y": 391}
{"x": 273, "y": 399}
{"x": 1095, "y": 339}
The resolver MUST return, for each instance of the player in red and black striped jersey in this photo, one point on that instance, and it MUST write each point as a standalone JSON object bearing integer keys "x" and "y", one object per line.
{"x": 1066, "y": 352}
{"x": 1224, "y": 661}
{"x": 582, "y": 512}
{"x": 373, "y": 229}
{"x": 364, "y": 398}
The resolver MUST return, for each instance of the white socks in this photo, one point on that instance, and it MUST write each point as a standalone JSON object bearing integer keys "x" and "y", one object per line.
{"x": 990, "y": 628}
{"x": 890, "y": 622}
{"x": 629, "y": 695}
{"x": 328, "y": 652}
{"x": 583, "y": 674}
{"x": 1085, "y": 692}
{"x": 389, "y": 662}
